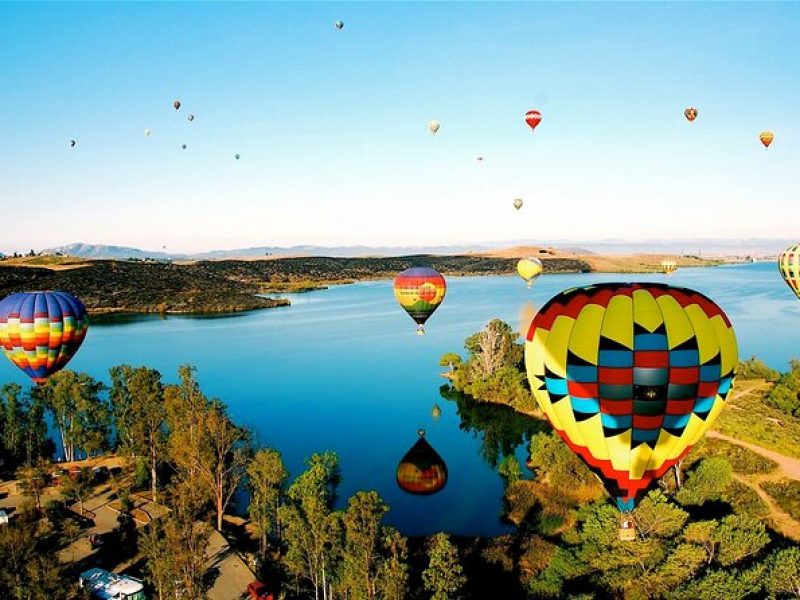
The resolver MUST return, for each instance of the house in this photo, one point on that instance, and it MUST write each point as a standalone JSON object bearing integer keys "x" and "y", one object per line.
{"x": 105, "y": 585}
{"x": 3, "y": 517}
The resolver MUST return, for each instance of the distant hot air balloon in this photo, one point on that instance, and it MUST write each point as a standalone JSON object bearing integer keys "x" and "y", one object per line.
{"x": 630, "y": 376}
{"x": 479, "y": 159}
{"x": 517, "y": 203}
{"x": 669, "y": 266}
{"x": 789, "y": 266}
{"x": 526, "y": 314}
{"x": 190, "y": 118}
{"x": 420, "y": 291}
{"x": 690, "y": 113}
{"x": 236, "y": 156}
{"x": 422, "y": 471}
{"x": 433, "y": 126}
{"x": 766, "y": 138}
{"x": 529, "y": 269}
{"x": 147, "y": 133}
{"x": 72, "y": 143}
{"x": 533, "y": 118}
{"x": 41, "y": 331}
{"x": 340, "y": 25}
{"x": 183, "y": 146}
{"x": 176, "y": 104}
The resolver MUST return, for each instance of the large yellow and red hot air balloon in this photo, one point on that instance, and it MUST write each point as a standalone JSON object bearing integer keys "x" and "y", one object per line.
{"x": 421, "y": 471}
{"x": 533, "y": 117}
{"x": 789, "y": 266}
{"x": 766, "y": 138}
{"x": 529, "y": 269}
{"x": 420, "y": 291}
{"x": 690, "y": 113}
{"x": 41, "y": 331}
{"x": 631, "y": 376}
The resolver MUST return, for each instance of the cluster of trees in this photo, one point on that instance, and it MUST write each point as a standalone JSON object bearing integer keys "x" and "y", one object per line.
{"x": 695, "y": 541}
{"x": 493, "y": 370}
{"x": 785, "y": 395}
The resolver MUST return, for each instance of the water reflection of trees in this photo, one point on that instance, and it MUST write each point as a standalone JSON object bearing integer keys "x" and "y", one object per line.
{"x": 500, "y": 428}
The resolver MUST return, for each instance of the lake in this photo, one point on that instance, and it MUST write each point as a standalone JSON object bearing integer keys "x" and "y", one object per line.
{"x": 342, "y": 370}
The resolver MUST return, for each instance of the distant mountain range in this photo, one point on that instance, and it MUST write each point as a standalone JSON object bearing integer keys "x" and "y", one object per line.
{"x": 708, "y": 247}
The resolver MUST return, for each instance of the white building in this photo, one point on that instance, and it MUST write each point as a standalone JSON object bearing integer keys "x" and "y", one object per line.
{"x": 111, "y": 586}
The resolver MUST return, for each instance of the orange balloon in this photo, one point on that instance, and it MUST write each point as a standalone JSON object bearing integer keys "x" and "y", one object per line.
{"x": 766, "y": 138}
{"x": 690, "y": 113}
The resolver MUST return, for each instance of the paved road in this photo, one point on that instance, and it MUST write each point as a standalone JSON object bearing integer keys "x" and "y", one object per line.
{"x": 234, "y": 574}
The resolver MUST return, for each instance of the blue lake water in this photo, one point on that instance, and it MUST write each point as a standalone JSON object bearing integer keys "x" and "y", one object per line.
{"x": 342, "y": 369}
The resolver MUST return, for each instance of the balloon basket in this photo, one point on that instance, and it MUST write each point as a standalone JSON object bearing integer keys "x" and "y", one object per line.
{"x": 420, "y": 330}
{"x": 627, "y": 528}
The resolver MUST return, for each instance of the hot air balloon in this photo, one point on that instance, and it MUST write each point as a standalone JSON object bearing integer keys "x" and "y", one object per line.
{"x": 433, "y": 126}
{"x": 436, "y": 412}
{"x": 517, "y": 203}
{"x": 183, "y": 146}
{"x": 72, "y": 143}
{"x": 789, "y": 266}
{"x": 422, "y": 471}
{"x": 669, "y": 266}
{"x": 630, "y": 376}
{"x": 533, "y": 118}
{"x": 176, "y": 104}
{"x": 236, "y": 156}
{"x": 529, "y": 269}
{"x": 766, "y": 138}
{"x": 340, "y": 25}
{"x": 479, "y": 159}
{"x": 147, "y": 133}
{"x": 690, "y": 113}
{"x": 190, "y": 118}
{"x": 420, "y": 291}
{"x": 41, "y": 331}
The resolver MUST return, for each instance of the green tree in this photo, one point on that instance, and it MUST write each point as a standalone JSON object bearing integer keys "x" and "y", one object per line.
{"x": 23, "y": 429}
{"x": 82, "y": 418}
{"x": 266, "y": 480}
{"x": 311, "y": 529}
{"x": 451, "y": 360}
{"x": 707, "y": 481}
{"x": 361, "y": 521}
{"x": 33, "y": 480}
{"x": 656, "y": 516}
{"x": 78, "y": 487}
{"x": 738, "y": 537}
{"x": 443, "y": 577}
{"x": 392, "y": 578}
{"x": 784, "y": 573}
{"x": 137, "y": 400}
{"x": 510, "y": 469}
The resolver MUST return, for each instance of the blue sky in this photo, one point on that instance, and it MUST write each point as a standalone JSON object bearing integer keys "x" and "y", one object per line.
{"x": 331, "y": 125}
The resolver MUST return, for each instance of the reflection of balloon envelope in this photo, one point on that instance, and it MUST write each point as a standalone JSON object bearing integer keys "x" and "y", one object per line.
{"x": 41, "y": 331}
{"x": 630, "y": 376}
{"x": 436, "y": 412}
{"x": 422, "y": 471}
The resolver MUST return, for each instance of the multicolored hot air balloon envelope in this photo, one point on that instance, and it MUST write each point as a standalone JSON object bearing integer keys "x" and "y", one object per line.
{"x": 433, "y": 126}
{"x": 690, "y": 113}
{"x": 340, "y": 25}
{"x": 789, "y": 266}
{"x": 41, "y": 331}
{"x": 517, "y": 203}
{"x": 631, "y": 376}
{"x": 422, "y": 471}
{"x": 533, "y": 118}
{"x": 176, "y": 104}
{"x": 529, "y": 269}
{"x": 766, "y": 138}
{"x": 420, "y": 291}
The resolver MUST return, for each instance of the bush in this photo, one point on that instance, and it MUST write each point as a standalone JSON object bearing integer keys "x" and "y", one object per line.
{"x": 754, "y": 368}
{"x": 743, "y": 461}
{"x": 787, "y": 494}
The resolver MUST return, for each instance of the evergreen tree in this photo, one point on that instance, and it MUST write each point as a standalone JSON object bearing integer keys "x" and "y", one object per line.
{"x": 443, "y": 578}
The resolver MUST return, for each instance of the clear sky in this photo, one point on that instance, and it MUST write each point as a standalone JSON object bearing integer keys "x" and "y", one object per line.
{"x": 331, "y": 125}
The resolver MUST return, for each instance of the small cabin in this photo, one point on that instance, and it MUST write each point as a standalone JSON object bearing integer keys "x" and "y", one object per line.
{"x": 104, "y": 585}
{"x": 3, "y": 517}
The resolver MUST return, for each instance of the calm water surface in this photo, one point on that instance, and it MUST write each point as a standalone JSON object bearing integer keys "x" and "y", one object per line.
{"x": 341, "y": 369}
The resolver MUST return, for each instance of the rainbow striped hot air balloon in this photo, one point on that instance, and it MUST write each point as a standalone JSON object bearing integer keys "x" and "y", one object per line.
{"x": 631, "y": 376}
{"x": 789, "y": 266}
{"x": 421, "y": 471}
{"x": 41, "y": 331}
{"x": 420, "y": 291}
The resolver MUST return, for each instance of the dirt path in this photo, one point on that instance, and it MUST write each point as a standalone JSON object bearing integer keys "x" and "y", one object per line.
{"x": 788, "y": 467}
